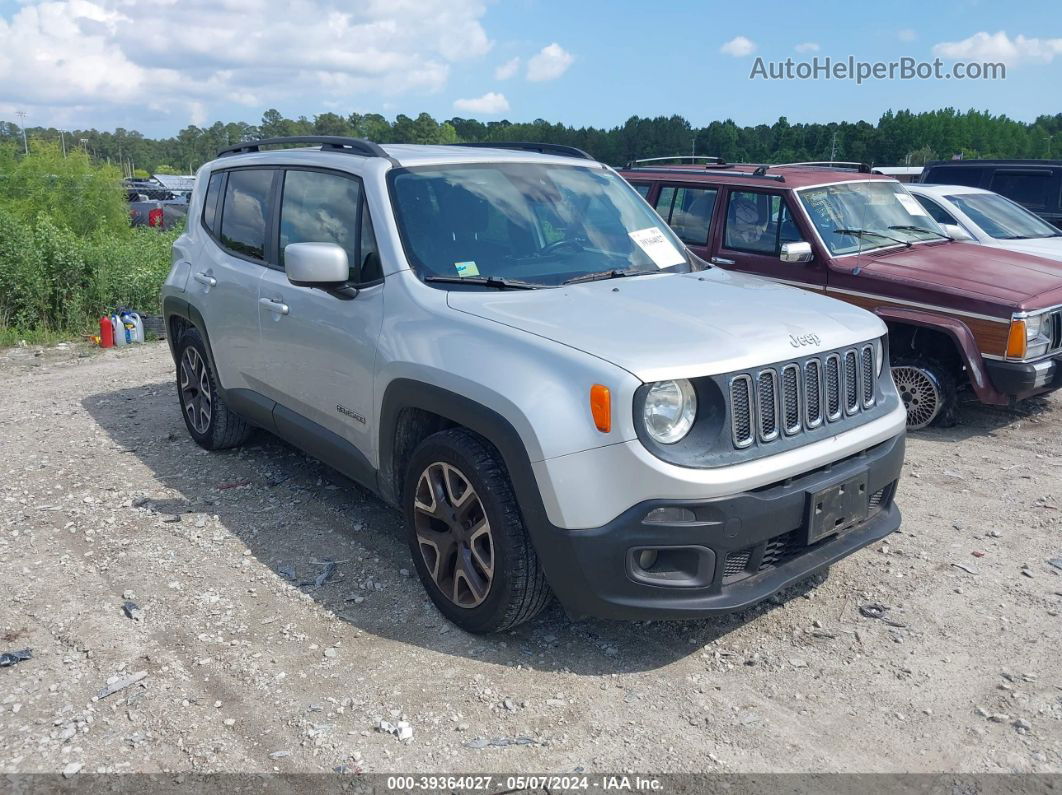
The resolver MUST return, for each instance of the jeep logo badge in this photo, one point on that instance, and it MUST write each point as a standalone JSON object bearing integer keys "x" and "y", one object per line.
{"x": 804, "y": 339}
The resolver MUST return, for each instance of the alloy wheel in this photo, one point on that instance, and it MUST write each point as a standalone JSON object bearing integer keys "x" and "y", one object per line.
{"x": 921, "y": 393}
{"x": 454, "y": 535}
{"x": 196, "y": 396}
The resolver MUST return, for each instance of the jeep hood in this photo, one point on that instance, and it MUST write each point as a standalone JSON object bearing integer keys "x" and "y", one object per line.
{"x": 671, "y": 325}
{"x": 996, "y": 274}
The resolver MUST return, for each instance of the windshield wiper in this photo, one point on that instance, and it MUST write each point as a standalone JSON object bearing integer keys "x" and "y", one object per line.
{"x": 863, "y": 232}
{"x": 615, "y": 273}
{"x": 485, "y": 281}
{"x": 913, "y": 228}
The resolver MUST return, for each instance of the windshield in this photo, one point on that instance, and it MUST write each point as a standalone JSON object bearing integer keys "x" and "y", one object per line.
{"x": 1001, "y": 218}
{"x": 536, "y": 223}
{"x": 859, "y": 216}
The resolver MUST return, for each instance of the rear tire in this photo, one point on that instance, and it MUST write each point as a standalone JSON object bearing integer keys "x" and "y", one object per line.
{"x": 209, "y": 420}
{"x": 467, "y": 536}
{"x": 928, "y": 390}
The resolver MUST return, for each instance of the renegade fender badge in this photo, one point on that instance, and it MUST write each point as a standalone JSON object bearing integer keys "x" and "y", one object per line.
{"x": 352, "y": 414}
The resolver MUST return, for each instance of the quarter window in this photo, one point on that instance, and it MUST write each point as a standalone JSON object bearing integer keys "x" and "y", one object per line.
{"x": 243, "y": 217}
{"x": 210, "y": 203}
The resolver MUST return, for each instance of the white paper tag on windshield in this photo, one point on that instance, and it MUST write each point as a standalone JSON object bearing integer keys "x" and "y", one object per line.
{"x": 660, "y": 250}
{"x": 911, "y": 204}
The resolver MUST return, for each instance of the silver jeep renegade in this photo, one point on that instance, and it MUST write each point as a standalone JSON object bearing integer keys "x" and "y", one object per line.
{"x": 511, "y": 347}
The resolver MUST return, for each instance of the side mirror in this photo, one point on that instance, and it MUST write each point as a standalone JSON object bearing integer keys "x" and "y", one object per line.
{"x": 956, "y": 232}
{"x": 796, "y": 252}
{"x": 316, "y": 264}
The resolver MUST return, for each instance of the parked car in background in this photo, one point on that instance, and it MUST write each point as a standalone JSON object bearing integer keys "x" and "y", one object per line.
{"x": 903, "y": 174}
{"x": 1034, "y": 184}
{"x": 989, "y": 219}
{"x": 959, "y": 315}
{"x": 157, "y": 204}
{"x": 508, "y": 345}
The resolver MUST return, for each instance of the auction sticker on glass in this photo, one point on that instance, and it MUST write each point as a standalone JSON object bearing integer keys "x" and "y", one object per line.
{"x": 910, "y": 204}
{"x": 659, "y": 248}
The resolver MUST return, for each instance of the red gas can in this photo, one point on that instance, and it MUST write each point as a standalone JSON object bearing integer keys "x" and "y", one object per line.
{"x": 106, "y": 333}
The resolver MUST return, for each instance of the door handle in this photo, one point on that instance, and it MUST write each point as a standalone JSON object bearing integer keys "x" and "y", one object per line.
{"x": 205, "y": 280}
{"x": 274, "y": 306}
{"x": 721, "y": 261}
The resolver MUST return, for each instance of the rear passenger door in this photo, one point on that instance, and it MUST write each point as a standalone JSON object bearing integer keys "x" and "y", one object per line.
{"x": 688, "y": 211}
{"x": 224, "y": 283}
{"x": 755, "y": 225}
{"x": 318, "y": 346}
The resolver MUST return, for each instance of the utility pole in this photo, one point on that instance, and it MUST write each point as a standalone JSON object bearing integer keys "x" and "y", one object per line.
{"x": 833, "y": 147}
{"x": 22, "y": 124}
{"x": 62, "y": 140}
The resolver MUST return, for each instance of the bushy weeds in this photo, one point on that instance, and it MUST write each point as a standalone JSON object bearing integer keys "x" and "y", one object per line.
{"x": 67, "y": 252}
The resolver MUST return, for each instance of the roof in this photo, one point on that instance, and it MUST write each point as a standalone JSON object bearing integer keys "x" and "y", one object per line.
{"x": 942, "y": 191}
{"x": 1000, "y": 162}
{"x": 742, "y": 174}
{"x": 898, "y": 170}
{"x": 402, "y": 154}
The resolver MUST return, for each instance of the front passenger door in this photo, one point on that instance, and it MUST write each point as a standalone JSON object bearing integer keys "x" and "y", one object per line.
{"x": 318, "y": 346}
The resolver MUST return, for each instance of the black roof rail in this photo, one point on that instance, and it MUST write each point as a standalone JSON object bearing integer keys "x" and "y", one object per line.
{"x": 334, "y": 143}
{"x": 712, "y": 160}
{"x": 840, "y": 165}
{"x": 530, "y": 146}
{"x": 759, "y": 173}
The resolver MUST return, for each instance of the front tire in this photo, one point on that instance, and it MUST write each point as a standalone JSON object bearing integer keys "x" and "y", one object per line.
{"x": 928, "y": 391}
{"x": 209, "y": 420}
{"x": 467, "y": 537}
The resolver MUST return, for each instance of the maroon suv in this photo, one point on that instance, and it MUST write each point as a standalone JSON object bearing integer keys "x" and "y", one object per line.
{"x": 958, "y": 314}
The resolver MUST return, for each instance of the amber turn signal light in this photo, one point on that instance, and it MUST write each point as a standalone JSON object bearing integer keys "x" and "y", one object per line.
{"x": 601, "y": 407}
{"x": 1016, "y": 340}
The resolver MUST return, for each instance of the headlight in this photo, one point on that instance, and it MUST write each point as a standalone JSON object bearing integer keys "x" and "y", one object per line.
{"x": 670, "y": 408}
{"x": 1029, "y": 337}
{"x": 879, "y": 358}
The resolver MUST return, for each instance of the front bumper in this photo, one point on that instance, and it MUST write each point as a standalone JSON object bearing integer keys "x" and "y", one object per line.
{"x": 1019, "y": 380}
{"x": 740, "y": 550}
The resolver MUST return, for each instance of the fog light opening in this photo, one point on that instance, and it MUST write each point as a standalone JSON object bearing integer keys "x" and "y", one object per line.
{"x": 647, "y": 559}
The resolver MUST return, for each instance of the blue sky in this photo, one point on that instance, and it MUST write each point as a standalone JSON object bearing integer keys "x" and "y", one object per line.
{"x": 158, "y": 66}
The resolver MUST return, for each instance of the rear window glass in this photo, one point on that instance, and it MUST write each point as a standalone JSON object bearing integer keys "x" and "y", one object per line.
{"x": 243, "y": 218}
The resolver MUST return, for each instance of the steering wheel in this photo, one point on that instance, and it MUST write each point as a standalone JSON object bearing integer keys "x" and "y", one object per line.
{"x": 557, "y": 245}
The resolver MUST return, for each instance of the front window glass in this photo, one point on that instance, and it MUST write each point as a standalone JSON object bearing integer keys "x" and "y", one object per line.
{"x": 1001, "y": 218}
{"x": 859, "y": 216}
{"x": 532, "y": 222}
{"x": 759, "y": 223}
{"x": 321, "y": 208}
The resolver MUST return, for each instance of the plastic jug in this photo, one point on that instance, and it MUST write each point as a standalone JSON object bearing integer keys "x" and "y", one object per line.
{"x": 119, "y": 331}
{"x": 137, "y": 332}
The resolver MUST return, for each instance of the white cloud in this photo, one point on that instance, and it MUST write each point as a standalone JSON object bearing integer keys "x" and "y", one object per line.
{"x": 507, "y": 69}
{"x": 808, "y": 46}
{"x": 489, "y": 103}
{"x": 186, "y": 57}
{"x": 1000, "y": 47}
{"x": 906, "y": 34}
{"x": 549, "y": 63}
{"x": 739, "y": 46}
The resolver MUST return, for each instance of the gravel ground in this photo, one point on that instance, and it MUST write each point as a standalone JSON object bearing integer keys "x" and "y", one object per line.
{"x": 246, "y": 665}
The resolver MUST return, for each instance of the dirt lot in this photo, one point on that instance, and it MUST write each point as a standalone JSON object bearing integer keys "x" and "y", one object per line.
{"x": 107, "y": 500}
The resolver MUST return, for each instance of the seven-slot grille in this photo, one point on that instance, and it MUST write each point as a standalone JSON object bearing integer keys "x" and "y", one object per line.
{"x": 786, "y": 399}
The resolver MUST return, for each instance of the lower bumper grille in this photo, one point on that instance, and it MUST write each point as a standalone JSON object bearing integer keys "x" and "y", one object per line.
{"x": 781, "y": 549}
